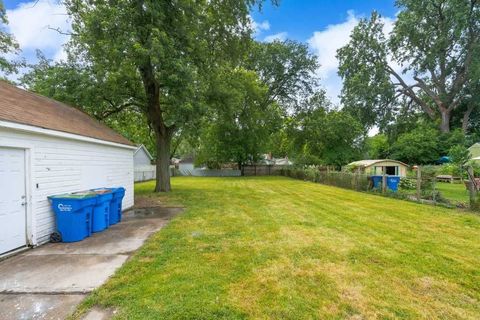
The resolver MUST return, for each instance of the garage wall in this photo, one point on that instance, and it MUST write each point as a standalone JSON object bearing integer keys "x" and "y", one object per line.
{"x": 59, "y": 165}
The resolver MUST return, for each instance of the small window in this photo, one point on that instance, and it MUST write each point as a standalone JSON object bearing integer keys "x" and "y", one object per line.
{"x": 391, "y": 171}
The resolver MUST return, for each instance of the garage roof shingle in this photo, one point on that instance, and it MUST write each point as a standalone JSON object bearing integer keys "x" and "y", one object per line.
{"x": 24, "y": 107}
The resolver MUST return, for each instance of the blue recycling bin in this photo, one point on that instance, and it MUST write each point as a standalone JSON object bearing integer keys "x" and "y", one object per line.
{"x": 116, "y": 205}
{"x": 392, "y": 183}
{"x": 73, "y": 213}
{"x": 101, "y": 210}
{"x": 377, "y": 181}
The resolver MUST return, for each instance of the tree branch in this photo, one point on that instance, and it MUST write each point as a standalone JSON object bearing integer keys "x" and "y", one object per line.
{"x": 61, "y": 32}
{"x": 410, "y": 93}
{"x": 115, "y": 109}
{"x": 430, "y": 93}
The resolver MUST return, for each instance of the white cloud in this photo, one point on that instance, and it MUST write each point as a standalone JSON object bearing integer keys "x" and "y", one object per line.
{"x": 259, "y": 27}
{"x": 325, "y": 45}
{"x": 30, "y": 24}
{"x": 282, "y": 36}
{"x": 262, "y": 26}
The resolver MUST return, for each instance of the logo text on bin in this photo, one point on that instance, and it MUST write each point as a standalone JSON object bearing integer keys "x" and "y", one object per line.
{"x": 64, "y": 207}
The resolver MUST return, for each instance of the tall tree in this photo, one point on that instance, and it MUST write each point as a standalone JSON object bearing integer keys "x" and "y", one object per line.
{"x": 94, "y": 93}
{"x": 167, "y": 47}
{"x": 436, "y": 41}
{"x": 239, "y": 122}
{"x": 419, "y": 146}
{"x": 272, "y": 81}
{"x": 287, "y": 69}
{"x": 322, "y": 135}
{"x": 8, "y": 45}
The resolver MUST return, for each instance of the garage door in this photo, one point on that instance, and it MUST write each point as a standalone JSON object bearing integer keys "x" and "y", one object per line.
{"x": 12, "y": 199}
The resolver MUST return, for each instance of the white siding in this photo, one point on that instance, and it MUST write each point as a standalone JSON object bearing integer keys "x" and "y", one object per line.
{"x": 141, "y": 158}
{"x": 59, "y": 165}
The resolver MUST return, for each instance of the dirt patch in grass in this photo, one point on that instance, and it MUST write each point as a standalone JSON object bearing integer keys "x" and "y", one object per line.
{"x": 148, "y": 202}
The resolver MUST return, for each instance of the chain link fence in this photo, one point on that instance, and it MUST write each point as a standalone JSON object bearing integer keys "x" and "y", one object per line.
{"x": 423, "y": 184}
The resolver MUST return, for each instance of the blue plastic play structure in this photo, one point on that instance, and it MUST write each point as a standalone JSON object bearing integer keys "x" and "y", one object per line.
{"x": 392, "y": 182}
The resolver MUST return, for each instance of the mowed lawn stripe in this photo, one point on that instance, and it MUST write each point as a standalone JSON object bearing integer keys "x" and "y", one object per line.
{"x": 278, "y": 248}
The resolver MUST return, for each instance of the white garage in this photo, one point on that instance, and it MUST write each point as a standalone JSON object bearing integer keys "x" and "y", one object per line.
{"x": 48, "y": 148}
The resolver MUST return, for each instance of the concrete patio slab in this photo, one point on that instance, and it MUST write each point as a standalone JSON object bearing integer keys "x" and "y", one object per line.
{"x": 122, "y": 238}
{"x": 49, "y": 281}
{"x": 57, "y": 273}
{"x": 38, "y": 306}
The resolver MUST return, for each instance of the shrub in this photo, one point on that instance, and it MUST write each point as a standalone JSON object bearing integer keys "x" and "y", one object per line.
{"x": 407, "y": 183}
{"x": 450, "y": 169}
{"x": 338, "y": 179}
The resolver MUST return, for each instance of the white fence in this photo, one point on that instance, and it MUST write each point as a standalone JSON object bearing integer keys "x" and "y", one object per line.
{"x": 209, "y": 173}
{"x": 145, "y": 173}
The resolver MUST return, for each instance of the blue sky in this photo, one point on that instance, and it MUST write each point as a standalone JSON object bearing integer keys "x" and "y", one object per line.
{"x": 300, "y": 18}
{"x": 325, "y": 25}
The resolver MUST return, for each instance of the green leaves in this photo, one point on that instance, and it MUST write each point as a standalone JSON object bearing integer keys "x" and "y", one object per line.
{"x": 321, "y": 135}
{"x": 239, "y": 123}
{"x": 8, "y": 46}
{"x": 437, "y": 42}
{"x": 367, "y": 90}
{"x": 287, "y": 68}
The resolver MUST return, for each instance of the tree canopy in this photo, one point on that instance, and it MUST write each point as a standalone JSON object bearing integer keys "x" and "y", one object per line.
{"x": 8, "y": 45}
{"x": 436, "y": 43}
{"x": 187, "y": 77}
{"x": 168, "y": 49}
{"x": 238, "y": 123}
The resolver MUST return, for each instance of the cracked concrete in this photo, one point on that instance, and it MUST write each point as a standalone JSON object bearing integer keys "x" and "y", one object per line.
{"x": 49, "y": 281}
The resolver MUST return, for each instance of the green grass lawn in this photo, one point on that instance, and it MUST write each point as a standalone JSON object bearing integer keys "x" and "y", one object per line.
{"x": 278, "y": 248}
{"x": 456, "y": 192}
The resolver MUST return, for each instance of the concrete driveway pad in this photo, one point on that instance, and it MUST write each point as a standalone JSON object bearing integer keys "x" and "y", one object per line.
{"x": 49, "y": 281}
{"x": 38, "y": 306}
{"x": 57, "y": 273}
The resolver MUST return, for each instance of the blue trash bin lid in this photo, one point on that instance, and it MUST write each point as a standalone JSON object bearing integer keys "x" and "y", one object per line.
{"x": 118, "y": 192}
{"x": 102, "y": 190}
{"x": 72, "y": 202}
{"x": 73, "y": 196}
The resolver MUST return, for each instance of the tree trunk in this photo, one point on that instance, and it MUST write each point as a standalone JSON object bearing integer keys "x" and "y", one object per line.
{"x": 466, "y": 118}
{"x": 445, "y": 124}
{"x": 163, "y": 164}
{"x": 163, "y": 134}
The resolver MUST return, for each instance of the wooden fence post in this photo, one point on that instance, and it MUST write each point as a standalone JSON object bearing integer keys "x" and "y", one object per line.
{"x": 419, "y": 183}
{"x": 384, "y": 182}
{"x": 354, "y": 181}
{"x": 357, "y": 180}
{"x": 472, "y": 189}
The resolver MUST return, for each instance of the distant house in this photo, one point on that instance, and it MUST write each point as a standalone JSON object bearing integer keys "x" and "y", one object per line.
{"x": 142, "y": 162}
{"x": 379, "y": 167}
{"x": 282, "y": 162}
{"x": 271, "y": 161}
{"x": 49, "y": 148}
{"x": 142, "y": 157}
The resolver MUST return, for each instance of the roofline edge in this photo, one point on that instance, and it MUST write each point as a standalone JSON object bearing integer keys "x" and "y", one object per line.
{"x": 60, "y": 134}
